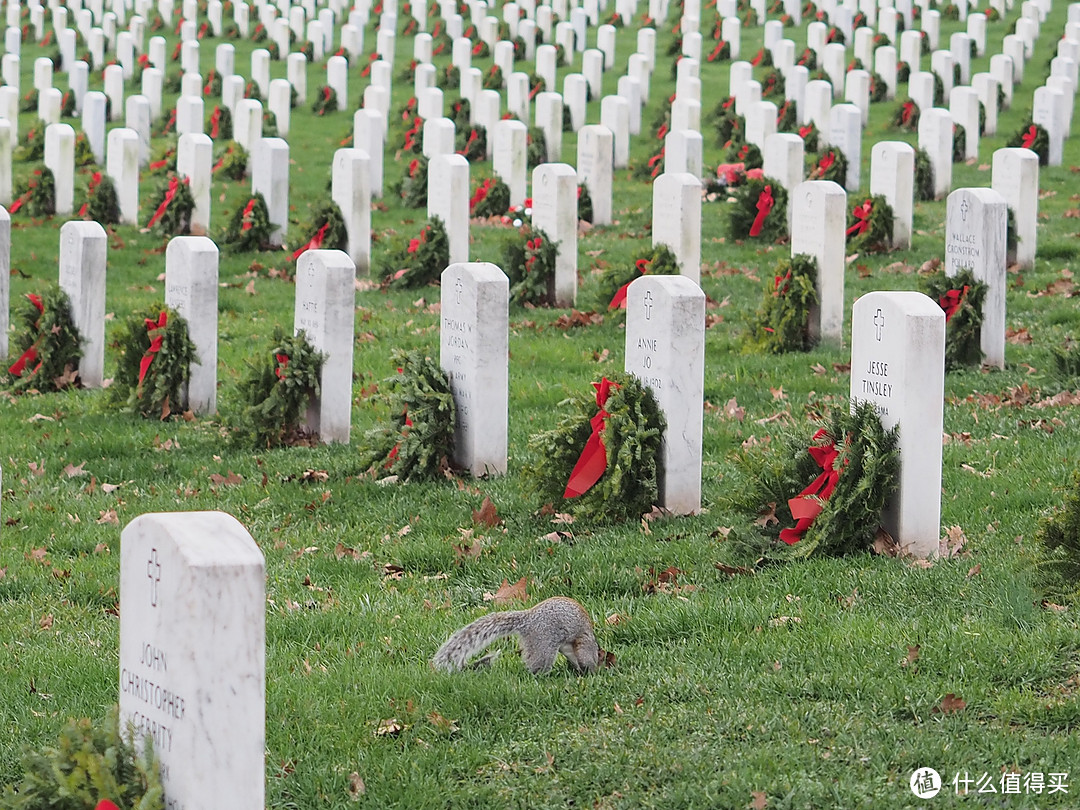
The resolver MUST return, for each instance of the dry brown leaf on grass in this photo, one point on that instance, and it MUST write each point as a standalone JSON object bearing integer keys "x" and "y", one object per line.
{"x": 911, "y": 657}
{"x": 389, "y": 728}
{"x": 732, "y": 410}
{"x": 952, "y": 544}
{"x": 767, "y": 516}
{"x": 356, "y": 786}
{"x": 108, "y": 516}
{"x": 226, "y": 480}
{"x": 486, "y": 515}
{"x": 759, "y": 800}
{"x": 950, "y": 704}
{"x": 508, "y": 593}
{"x": 72, "y": 471}
{"x": 783, "y": 621}
{"x": 885, "y": 544}
{"x": 1018, "y": 336}
{"x": 733, "y": 570}
{"x": 443, "y": 725}
{"x": 46, "y": 622}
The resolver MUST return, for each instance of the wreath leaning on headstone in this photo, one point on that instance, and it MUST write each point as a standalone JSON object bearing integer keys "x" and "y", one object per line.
{"x": 417, "y": 262}
{"x": 832, "y": 165}
{"x": 759, "y": 210}
{"x": 219, "y": 123}
{"x": 824, "y": 496}
{"x": 959, "y": 143}
{"x": 48, "y": 345}
{"x": 924, "y": 176}
{"x": 325, "y": 100}
{"x": 413, "y": 185}
{"x": 101, "y": 203}
{"x": 490, "y": 199}
{"x": 93, "y": 761}
{"x": 603, "y": 460}
{"x": 615, "y": 279}
{"x": 154, "y": 365}
{"x": 327, "y": 230}
{"x": 870, "y": 226}
{"x": 782, "y": 322}
{"x": 33, "y": 145}
{"x": 529, "y": 262}
{"x": 36, "y": 196}
{"x": 249, "y": 227}
{"x": 906, "y": 116}
{"x": 231, "y": 162}
{"x": 172, "y": 204}
{"x": 1034, "y": 137}
{"x": 961, "y": 297}
{"x": 1059, "y": 540}
{"x": 418, "y": 443}
{"x": 277, "y": 390}
{"x": 811, "y": 137}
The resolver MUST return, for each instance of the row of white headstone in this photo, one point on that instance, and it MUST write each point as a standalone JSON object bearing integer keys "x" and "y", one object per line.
{"x": 183, "y": 574}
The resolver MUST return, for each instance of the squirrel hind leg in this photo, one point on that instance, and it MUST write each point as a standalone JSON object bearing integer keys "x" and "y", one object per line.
{"x": 538, "y": 658}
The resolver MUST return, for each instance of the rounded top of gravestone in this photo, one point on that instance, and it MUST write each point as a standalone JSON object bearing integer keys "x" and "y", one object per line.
{"x": 202, "y": 539}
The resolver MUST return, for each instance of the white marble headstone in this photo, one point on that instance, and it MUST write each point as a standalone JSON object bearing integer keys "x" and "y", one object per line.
{"x": 191, "y": 288}
{"x": 898, "y": 364}
{"x": 83, "y": 248}
{"x": 818, "y": 223}
{"x": 192, "y": 655}
{"x": 665, "y": 349}
{"x": 474, "y": 350}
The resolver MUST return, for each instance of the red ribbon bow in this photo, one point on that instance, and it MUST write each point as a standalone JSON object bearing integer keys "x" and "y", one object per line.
{"x": 662, "y": 132}
{"x": 780, "y": 285}
{"x": 155, "y": 343}
{"x": 1029, "y": 137}
{"x": 245, "y": 223}
{"x": 809, "y": 503}
{"x": 95, "y": 180}
{"x": 316, "y": 241}
{"x": 170, "y": 193}
{"x": 282, "y": 364}
{"x": 862, "y": 216}
{"x": 618, "y": 301}
{"x": 907, "y": 111}
{"x": 215, "y": 121}
{"x": 826, "y": 162}
{"x": 593, "y": 461}
{"x": 30, "y": 355}
{"x": 712, "y": 57}
{"x": 105, "y": 804}
{"x": 765, "y": 203}
{"x": 951, "y": 301}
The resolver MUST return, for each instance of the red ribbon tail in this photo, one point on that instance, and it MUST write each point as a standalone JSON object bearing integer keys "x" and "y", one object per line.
{"x": 590, "y": 466}
{"x": 19, "y": 366}
{"x": 618, "y": 301}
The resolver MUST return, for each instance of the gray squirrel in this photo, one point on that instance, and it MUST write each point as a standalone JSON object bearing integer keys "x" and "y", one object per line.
{"x": 558, "y": 624}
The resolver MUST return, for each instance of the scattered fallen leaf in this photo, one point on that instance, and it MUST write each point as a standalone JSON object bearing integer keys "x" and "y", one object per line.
{"x": 767, "y": 516}
{"x": 46, "y": 622}
{"x": 781, "y": 621}
{"x": 733, "y": 570}
{"x": 759, "y": 800}
{"x": 885, "y": 544}
{"x": 356, "y": 786}
{"x": 108, "y": 516}
{"x": 1018, "y": 336}
{"x": 509, "y": 593}
{"x": 952, "y": 543}
{"x": 732, "y": 410}
{"x": 71, "y": 471}
{"x": 442, "y": 724}
{"x": 486, "y": 515}
{"x": 950, "y": 704}
{"x": 911, "y": 657}
{"x": 225, "y": 480}
{"x": 613, "y": 620}
{"x": 974, "y": 570}
{"x": 390, "y": 727}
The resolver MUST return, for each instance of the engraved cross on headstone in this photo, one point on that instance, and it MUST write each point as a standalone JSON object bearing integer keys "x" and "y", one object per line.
{"x": 964, "y": 209}
{"x": 879, "y": 322}
{"x": 648, "y": 305}
{"x": 153, "y": 571}
{"x": 459, "y": 287}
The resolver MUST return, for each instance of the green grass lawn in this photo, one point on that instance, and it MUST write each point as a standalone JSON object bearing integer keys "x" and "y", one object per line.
{"x": 819, "y": 684}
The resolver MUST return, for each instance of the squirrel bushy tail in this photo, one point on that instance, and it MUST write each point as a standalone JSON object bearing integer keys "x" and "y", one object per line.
{"x": 474, "y": 637}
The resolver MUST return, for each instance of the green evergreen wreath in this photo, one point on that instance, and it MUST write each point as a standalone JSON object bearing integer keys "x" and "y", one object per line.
{"x": 537, "y": 147}
{"x": 1059, "y": 540}
{"x": 33, "y": 145}
{"x": 963, "y": 328}
{"x": 249, "y": 227}
{"x": 413, "y": 185}
{"x": 906, "y": 116}
{"x": 811, "y": 137}
{"x": 730, "y": 126}
{"x": 924, "y": 176}
{"x": 84, "y": 155}
{"x": 613, "y": 280}
{"x": 584, "y": 204}
{"x": 154, "y": 363}
{"x": 747, "y": 154}
{"x": 172, "y": 205}
{"x": 878, "y": 89}
{"x": 418, "y": 443}
{"x": 67, "y": 105}
{"x": 101, "y": 203}
{"x": 472, "y": 143}
{"x": 230, "y": 162}
{"x": 870, "y": 226}
{"x": 959, "y": 141}
{"x": 529, "y": 262}
{"x": 48, "y": 346}
{"x": 29, "y": 102}
{"x": 276, "y": 391}
{"x": 269, "y": 127}
{"x": 92, "y": 761}
{"x": 1034, "y": 137}
{"x": 490, "y": 199}
{"x": 164, "y": 158}
{"x": 325, "y": 100}
{"x": 493, "y": 79}
{"x": 36, "y": 196}
{"x": 786, "y": 118}
{"x": 326, "y": 230}
{"x": 219, "y": 124}
{"x": 782, "y": 322}
{"x": 832, "y": 165}
{"x": 419, "y": 261}
{"x": 213, "y": 84}
{"x": 460, "y": 112}
{"x": 867, "y": 461}
{"x": 759, "y": 210}
{"x": 633, "y": 431}
{"x": 772, "y": 85}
